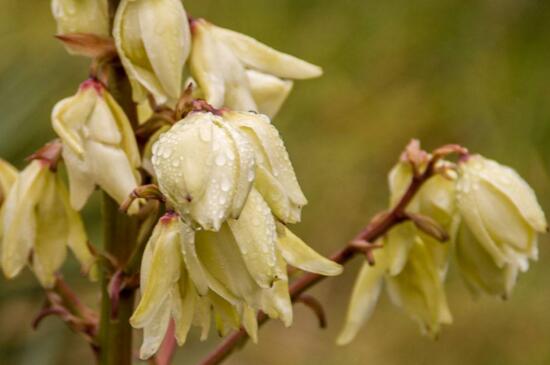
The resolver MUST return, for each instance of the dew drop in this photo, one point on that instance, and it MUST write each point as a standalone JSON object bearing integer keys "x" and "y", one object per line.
{"x": 225, "y": 185}
{"x": 220, "y": 160}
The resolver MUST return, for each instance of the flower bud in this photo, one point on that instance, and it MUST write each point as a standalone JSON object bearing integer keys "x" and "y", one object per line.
{"x": 39, "y": 220}
{"x": 153, "y": 42}
{"x": 500, "y": 210}
{"x": 275, "y": 177}
{"x": 220, "y": 61}
{"x": 205, "y": 167}
{"x": 99, "y": 144}
{"x": 81, "y": 16}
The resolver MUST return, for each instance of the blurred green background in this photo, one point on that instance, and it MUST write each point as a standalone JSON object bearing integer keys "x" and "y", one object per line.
{"x": 475, "y": 72}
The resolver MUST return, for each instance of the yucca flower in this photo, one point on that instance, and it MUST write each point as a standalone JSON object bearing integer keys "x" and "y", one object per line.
{"x": 40, "y": 224}
{"x": 81, "y": 16}
{"x": 99, "y": 147}
{"x": 153, "y": 41}
{"x": 412, "y": 264}
{"x": 236, "y": 271}
{"x": 501, "y": 222}
{"x": 236, "y": 71}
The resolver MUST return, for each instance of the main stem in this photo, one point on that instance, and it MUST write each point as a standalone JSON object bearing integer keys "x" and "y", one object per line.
{"x": 119, "y": 239}
{"x": 374, "y": 230}
{"x": 115, "y": 334}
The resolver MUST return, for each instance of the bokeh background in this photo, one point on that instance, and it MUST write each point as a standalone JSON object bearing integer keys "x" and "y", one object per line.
{"x": 475, "y": 72}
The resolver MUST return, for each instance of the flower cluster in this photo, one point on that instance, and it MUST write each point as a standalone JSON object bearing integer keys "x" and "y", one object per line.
{"x": 493, "y": 219}
{"x": 39, "y": 223}
{"x": 223, "y": 246}
{"x": 232, "y": 186}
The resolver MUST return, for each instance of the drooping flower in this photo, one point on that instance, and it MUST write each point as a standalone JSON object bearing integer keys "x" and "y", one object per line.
{"x": 99, "y": 144}
{"x": 236, "y": 271}
{"x": 501, "y": 220}
{"x": 40, "y": 224}
{"x": 81, "y": 16}
{"x": 153, "y": 41}
{"x": 221, "y": 61}
{"x": 412, "y": 265}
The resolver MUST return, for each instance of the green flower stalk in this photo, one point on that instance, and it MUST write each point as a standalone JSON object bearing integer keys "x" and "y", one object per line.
{"x": 40, "y": 224}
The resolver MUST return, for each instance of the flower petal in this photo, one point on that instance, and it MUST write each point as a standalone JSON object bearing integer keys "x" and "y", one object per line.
{"x": 364, "y": 297}
{"x": 255, "y": 234}
{"x": 269, "y": 92}
{"x": 298, "y": 254}
{"x": 258, "y": 56}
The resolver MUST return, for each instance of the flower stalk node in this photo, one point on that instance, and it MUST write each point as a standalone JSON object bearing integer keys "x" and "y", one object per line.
{"x": 49, "y": 154}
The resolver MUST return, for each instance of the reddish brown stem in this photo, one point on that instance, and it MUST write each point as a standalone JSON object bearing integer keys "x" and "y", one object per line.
{"x": 375, "y": 230}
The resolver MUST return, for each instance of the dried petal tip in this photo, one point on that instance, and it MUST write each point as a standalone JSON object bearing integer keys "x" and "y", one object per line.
{"x": 81, "y": 23}
{"x": 88, "y": 45}
{"x": 49, "y": 154}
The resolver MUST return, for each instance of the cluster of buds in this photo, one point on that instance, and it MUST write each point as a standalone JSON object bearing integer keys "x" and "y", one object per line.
{"x": 492, "y": 218}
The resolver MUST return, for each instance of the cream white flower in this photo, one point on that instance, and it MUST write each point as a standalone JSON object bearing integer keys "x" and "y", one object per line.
{"x": 220, "y": 63}
{"x": 205, "y": 167}
{"x": 501, "y": 219}
{"x": 81, "y": 16}
{"x": 99, "y": 144}
{"x": 275, "y": 177}
{"x": 237, "y": 271}
{"x": 412, "y": 264}
{"x": 153, "y": 41}
{"x": 40, "y": 224}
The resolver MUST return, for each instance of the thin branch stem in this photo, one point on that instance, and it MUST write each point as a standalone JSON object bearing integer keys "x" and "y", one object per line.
{"x": 376, "y": 229}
